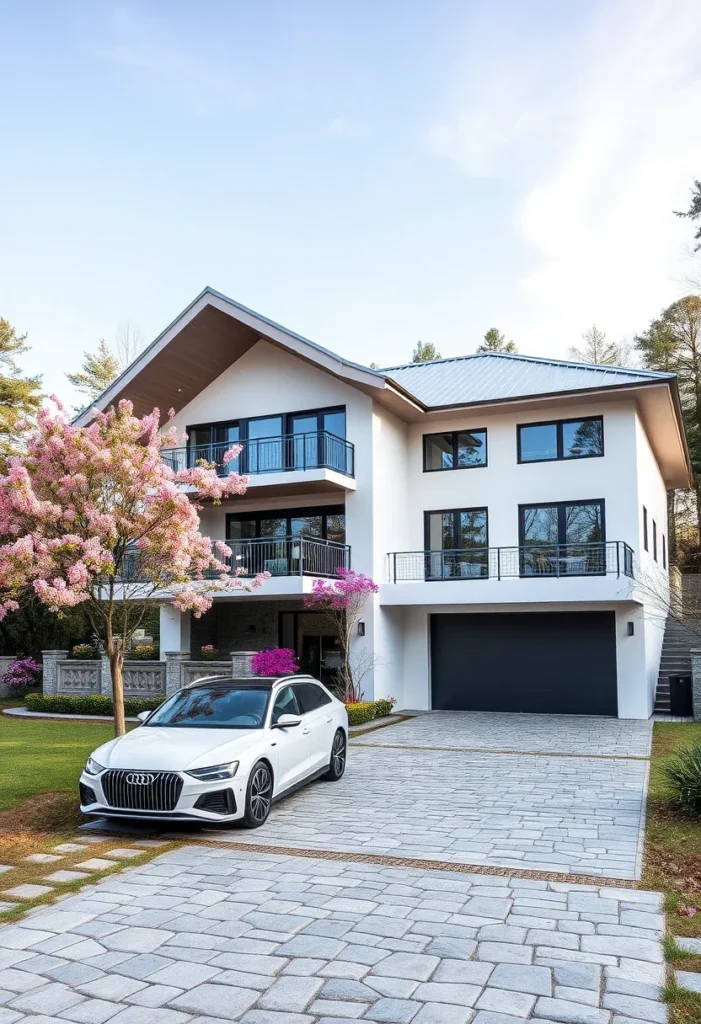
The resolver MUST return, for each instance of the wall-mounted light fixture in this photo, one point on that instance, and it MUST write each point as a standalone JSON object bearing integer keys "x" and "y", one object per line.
{"x": 631, "y": 629}
{"x": 361, "y": 629}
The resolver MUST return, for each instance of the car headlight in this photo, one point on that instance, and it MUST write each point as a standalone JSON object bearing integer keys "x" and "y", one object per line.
{"x": 92, "y": 767}
{"x": 217, "y": 771}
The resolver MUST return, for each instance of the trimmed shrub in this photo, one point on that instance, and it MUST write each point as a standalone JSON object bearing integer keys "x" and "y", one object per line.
{"x": 95, "y": 704}
{"x": 209, "y": 652}
{"x": 86, "y": 651}
{"x": 384, "y": 706}
{"x": 143, "y": 652}
{"x": 683, "y": 772}
{"x": 359, "y": 714}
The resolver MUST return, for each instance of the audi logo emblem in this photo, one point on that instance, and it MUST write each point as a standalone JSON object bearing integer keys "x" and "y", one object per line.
{"x": 140, "y": 779}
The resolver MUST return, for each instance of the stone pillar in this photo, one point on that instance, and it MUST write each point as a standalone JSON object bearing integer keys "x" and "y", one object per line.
{"x": 241, "y": 664}
{"x": 175, "y": 630}
{"x": 174, "y": 660}
{"x": 105, "y": 677}
{"x": 50, "y": 679}
{"x": 696, "y": 683}
{"x": 5, "y": 663}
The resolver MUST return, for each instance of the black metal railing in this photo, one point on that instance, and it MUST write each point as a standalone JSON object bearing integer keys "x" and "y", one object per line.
{"x": 318, "y": 449}
{"x": 280, "y": 556}
{"x": 529, "y": 560}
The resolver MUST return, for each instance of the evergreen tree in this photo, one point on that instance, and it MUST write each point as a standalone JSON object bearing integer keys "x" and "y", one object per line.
{"x": 694, "y": 212}
{"x": 424, "y": 352}
{"x": 98, "y": 371}
{"x": 496, "y": 342}
{"x": 20, "y": 397}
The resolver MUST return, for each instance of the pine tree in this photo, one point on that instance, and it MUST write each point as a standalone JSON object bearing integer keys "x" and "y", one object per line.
{"x": 20, "y": 397}
{"x": 424, "y": 352}
{"x": 98, "y": 371}
{"x": 694, "y": 212}
{"x": 496, "y": 342}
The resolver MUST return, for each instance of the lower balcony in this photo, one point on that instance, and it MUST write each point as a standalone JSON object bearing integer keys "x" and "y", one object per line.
{"x": 530, "y": 561}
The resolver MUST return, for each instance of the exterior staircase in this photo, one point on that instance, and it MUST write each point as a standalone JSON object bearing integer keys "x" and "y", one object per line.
{"x": 675, "y": 659}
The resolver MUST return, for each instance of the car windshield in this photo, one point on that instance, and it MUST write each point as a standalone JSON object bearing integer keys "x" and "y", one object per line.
{"x": 213, "y": 707}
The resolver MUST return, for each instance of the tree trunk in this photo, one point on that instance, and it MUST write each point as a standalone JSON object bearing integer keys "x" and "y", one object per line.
{"x": 697, "y": 488}
{"x": 116, "y": 658}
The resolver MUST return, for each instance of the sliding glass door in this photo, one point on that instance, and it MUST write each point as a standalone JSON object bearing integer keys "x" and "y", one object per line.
{"x": 457, "y": 545}
{"x": 563, "y": 539}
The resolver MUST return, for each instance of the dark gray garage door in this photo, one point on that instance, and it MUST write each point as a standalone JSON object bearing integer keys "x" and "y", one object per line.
{"x": 546, "y": 662}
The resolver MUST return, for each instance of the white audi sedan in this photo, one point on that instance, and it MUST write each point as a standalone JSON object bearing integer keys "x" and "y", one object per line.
{"x": 221, "y": 750}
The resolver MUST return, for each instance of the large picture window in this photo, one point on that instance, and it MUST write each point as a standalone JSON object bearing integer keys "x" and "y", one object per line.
{"x": 564, "y": 439}
{"x": 562, "y": 539}
{"x": 461, "y": 449}
{"x": 457, "y": 544}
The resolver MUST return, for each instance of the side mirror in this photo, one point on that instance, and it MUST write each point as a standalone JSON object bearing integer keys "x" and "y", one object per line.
{"x": 144, "y": 716}
{"x": 287, "y": 722}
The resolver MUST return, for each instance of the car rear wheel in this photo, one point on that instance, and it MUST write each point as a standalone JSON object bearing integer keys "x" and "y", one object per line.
{"x": 337, "y": 764}
{"x": 259, "y": 796}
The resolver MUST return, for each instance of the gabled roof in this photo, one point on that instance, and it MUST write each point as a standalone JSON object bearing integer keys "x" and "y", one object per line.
{"x": 498, "y": 376}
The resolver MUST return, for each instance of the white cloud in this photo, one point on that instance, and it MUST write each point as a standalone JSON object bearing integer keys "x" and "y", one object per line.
{"x": 599, "y": 157}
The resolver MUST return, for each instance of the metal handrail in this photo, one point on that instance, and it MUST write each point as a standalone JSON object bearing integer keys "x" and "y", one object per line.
{"x": 317, "y": 449}
{"x": 598, "y": 558}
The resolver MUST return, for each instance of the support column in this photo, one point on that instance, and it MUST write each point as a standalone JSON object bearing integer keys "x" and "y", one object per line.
{"x": 175, "y": 630}
{"x": 50, "y": 660}
{"x": 174, "y": 660}
{"x": 105, "y": 677}
{"x": 241, "y": 664}
{"x": 696, "y": 683}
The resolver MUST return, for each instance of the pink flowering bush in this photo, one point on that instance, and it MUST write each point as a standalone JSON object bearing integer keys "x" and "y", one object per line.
{"x": 278, "y": 661}
{"x": 92, "y": 515}
{"x": 22, "y": 675}
{"x": 343, "y": 599}
{"x": 208, "y": 652}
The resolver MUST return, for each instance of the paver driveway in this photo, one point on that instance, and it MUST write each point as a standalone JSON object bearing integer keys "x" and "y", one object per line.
{"x": 402, "y": 796}
{"x": 203, "y": 935}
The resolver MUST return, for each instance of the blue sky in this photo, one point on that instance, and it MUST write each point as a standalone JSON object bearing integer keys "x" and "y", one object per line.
{"x": 365, "y": 173}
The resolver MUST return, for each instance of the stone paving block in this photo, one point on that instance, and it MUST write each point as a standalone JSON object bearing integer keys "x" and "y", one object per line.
{"x": 216, "y": 1000}
{"x": 638, "y": 949}
{"x": 28, "y": 891}
{"x": 447, "y": 992}
{"x": 112, "y": 987}
{"x": 303, "y": 966}
{"x": 443, "y": 1013}
{"x": 631, "y": 1006}
{"x": 268, "y": 1017}
{"x": 183, "y": 975}
{"x": 346, "y": 988}
{"x": 689, "y": 979}
{"x": 70, "y": 848}
{"x": 291, "y": 993}
{"x": 452, "y": 947}
{"x": 570, "y": 1013}
{"x": 412, "y": 966}
{"x": 124, "y": 853}
{"x": 49, "y": 999}
{"x": 15, "y": 980}
{"x": 522, "y": 978}
{"x": 690, "y": 945}
{"x": 504, "y": 952}
{"x": 250, "y": 963}
{"x": 518, "y": 1004}
{"x": 143, "y": 1015}
{"x": 335, "y": 1008}
{"x": 74, "y": 974}
{"x": 40, "y": 858}
{"x": 66, "y": 875}
{"x": 344, "y": 969}
{"x": 91, "y": 1011}
{"x": 395, "y": 1011}
{"x": 96, "y": 864}
{"x": 136, "y": 940}
{"x": 577, "y": 995}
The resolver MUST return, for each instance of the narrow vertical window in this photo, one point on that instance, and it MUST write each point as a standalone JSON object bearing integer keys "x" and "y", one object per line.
{"x": 664, "y": 552}
{"x": 654, "y": 540}
{"x": 645, "y": 541}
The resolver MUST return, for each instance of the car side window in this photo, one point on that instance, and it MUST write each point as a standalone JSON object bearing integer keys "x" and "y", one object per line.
{"x": 311, "y": 696}
{"x": 285, "y": 704}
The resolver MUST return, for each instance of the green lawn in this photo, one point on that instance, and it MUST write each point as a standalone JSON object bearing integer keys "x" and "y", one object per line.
{"x": 44, "y": 756}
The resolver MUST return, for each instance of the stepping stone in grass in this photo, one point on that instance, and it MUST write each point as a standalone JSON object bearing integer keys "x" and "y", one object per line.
{"x": 42, "y": 858}
{"x": 5, "y": 867}
{"x": 70, "y": 848}
{"x": 66, "y": 876}
{"x": 688, "y": 980}
{"x": 124, "y": 853}
{"x": 96, "y": 864}
{"x": 151, "y": 843}
{"x": 27, "y": 892}
{"x": 7, "y": 906}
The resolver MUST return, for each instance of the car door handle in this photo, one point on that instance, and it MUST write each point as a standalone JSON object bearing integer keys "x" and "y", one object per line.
{"x": 329, "y": 719}
{"x": 305, "y": 732}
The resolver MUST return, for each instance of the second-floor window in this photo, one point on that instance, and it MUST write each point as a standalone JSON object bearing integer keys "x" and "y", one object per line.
{"x": 323, "y": 523}
{"x": 567, "y": 538}
{"x": 460, "y": 449}
{"x": 561, "y": 439}
{"x": 457, "y": 543}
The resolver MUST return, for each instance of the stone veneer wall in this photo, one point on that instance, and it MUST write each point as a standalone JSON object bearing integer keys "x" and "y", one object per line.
{"x": 250, "y": 626}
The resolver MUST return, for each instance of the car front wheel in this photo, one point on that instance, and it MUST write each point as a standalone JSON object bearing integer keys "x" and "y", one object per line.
{"x": 259, "y": 796}
{"x": 337, "y": 764}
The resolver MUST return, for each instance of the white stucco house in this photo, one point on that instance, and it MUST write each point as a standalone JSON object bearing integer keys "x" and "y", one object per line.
{"x": 510, "y": 507}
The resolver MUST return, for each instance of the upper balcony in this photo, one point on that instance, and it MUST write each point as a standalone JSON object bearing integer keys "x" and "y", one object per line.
{"x": 282, "y": 464}
{"x": 531, "y": 572}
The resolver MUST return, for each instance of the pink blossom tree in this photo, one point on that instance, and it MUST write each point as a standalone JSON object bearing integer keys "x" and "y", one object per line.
{"x": 93, "y": 516}
{"x": 342, "y": 600}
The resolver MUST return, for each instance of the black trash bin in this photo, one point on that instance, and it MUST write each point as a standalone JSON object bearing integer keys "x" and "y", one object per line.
{"x": 680, "y": 699}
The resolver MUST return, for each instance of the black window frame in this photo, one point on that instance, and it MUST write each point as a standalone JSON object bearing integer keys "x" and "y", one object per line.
{"x": 286, "y": 417}
{"x": 646, "y": 539}
{"x": 560, "y": 506}
{"x": 664, "y": 551}
{"x": 454, "y": 435}
{"x": 654, "y": 539}
{"x": 455, "y": 512}
{"x": 559, "y": 424}
{"x": 289, "y": 513}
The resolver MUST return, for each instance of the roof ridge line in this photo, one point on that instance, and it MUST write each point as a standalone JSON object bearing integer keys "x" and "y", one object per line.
{"x": 526, "y": 357}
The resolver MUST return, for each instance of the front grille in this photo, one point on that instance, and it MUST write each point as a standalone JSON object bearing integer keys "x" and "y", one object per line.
{"x": 142, "y": 790}
{"x": 221, "y": 801}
